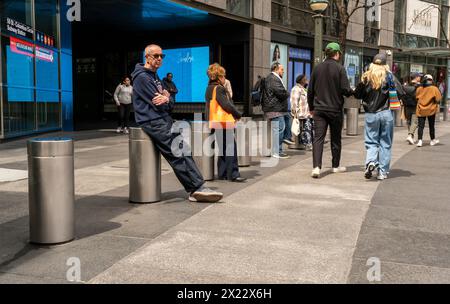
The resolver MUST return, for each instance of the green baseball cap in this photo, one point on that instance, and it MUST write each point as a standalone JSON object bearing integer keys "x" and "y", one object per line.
{"x": 334, "y": 46}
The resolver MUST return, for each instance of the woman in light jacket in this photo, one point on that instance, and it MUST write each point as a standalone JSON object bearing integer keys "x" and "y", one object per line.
{"x": 379, "y": 122}
{"x": 300, "y": 110}
{"x": 227, "y": 162}
{"x": 122, "y": 97}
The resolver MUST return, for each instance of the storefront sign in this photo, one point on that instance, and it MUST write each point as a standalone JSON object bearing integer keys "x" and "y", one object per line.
{"x": 422, "y": 18}
{"x": 416, "y": 68}
{"x": 21, "y": 47}
{"x": 19, "y": 29}
{"x": 299, "y": 54}
{"x": 44, "y": 54}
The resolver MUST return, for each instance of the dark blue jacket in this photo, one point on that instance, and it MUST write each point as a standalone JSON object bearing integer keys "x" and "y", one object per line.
{"x": 145, "y": 86}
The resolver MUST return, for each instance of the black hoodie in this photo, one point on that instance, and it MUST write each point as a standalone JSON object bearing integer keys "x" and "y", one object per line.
{"x": 145, "y": 86}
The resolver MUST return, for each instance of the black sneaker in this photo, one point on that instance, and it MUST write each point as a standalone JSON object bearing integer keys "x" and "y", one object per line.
{"x": 369, "y": 169}
{"x": 205, "y": 195}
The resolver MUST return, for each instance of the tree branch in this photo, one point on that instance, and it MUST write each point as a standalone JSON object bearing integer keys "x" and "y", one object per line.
{"x": 366, "y": 6}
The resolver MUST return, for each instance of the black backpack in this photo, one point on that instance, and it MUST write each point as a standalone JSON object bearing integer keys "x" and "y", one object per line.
{"x": 257, "y": 91}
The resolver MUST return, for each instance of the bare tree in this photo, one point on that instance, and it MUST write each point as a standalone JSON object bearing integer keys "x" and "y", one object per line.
{"x": 346, "y": 9}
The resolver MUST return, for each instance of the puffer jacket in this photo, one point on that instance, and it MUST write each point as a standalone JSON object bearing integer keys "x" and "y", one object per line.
{"x": 275, "y": 96}
{"x": 377, "y": 100}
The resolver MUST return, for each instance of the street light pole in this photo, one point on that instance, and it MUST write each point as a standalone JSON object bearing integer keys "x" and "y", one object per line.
{"x": 318, "y": 40}
{"x": 318, "y": 7}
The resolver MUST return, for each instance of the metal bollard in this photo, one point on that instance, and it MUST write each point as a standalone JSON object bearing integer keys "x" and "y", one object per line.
{"x": 145, "y": 168}
{"x": 265, "y": 134}
{"x": 352, "y": 121}
{"x": 201, "y": 133}
{"x": 243, "y": 136}
{"x": 51, "y": 190}
{"x": 446, "y": 111}
{"x": 398, "y": 118}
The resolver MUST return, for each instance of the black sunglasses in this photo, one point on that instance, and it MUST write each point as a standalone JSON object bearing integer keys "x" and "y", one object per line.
{"x": 157, "y": 56}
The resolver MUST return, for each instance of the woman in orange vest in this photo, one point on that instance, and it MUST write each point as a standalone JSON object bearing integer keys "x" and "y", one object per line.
{"x": 428, "y": 98}
{"x": 222, "y": 116}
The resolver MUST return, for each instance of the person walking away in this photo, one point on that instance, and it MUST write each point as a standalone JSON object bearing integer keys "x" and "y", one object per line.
{"x": 327, "y": 88}
{"x": 410, "y": 104}
{"x": 428, "y": 99}
{"x": 379, "y": 121}
{"x": 152, "y": 105}
{"x": 170, "y": 86}
{"x": 300, "y": 110}
{"x": 217, "y": 100}
{"x": 122, "y": 97}
{"x": 275, "y": 107}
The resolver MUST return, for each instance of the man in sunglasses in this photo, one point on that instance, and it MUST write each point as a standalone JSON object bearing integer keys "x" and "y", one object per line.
{"x": 152, "y": 105}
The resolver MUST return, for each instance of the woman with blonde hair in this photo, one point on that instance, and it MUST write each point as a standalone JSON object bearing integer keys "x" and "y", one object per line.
{"x": 221, "y": 113}
{"x": 379, "y": 122}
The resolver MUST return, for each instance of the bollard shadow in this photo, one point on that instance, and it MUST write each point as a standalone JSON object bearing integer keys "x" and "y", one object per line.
{"x": 396, "y": 173}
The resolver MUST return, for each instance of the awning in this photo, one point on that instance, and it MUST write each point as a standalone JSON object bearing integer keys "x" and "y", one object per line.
{"x": 440, "y": 52}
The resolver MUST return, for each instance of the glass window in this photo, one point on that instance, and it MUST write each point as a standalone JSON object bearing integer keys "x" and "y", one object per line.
{"x": 353, "y": 65}
{"x": 19, "y": 10}
{"x": 46, "y": 22}
{"x": 399, "y": 19}
{"x": 239, "y": 7}
{"x": 47, "y": 82}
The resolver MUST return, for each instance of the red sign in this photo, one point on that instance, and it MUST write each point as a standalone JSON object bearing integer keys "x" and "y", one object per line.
{"x": 21, "y": 47}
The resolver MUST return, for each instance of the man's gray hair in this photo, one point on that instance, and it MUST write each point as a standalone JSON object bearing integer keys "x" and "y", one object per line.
{"x": 275, "y": 66}
{"x": 149, "y": 47}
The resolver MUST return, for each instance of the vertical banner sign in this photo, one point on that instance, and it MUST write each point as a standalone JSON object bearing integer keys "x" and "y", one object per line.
{"x": 21, "y": 47}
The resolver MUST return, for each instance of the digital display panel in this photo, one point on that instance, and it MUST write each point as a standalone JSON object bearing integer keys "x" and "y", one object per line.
{"x": 188, "y": 66}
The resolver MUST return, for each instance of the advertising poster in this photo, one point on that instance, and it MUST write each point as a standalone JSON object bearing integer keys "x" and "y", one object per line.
{"x": 279, "y": 53}
{"x": 47, "y": 83}
{"x": 20, "y": 70}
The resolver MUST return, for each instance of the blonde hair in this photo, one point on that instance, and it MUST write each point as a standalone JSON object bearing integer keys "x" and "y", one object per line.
{"x": 376, "y": 75}
{"x": 215, "y": 70}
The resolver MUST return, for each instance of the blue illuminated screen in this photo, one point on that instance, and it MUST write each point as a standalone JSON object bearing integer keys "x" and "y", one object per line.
{"x": 188, "y": 66}
{"x": 20, "y": 76}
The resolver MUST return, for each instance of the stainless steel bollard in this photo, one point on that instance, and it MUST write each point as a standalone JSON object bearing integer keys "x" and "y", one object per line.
{"x": 352, "y": 121}
{"x": 446, "y": 111}
{"x": 145, "y": 168}
{"x": 398, "y": 118}
{"x": 51, "y": 190}
{"x": 203, "y": 157}
{"x": 243, "y": 141}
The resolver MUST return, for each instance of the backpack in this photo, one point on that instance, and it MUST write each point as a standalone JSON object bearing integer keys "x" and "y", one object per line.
{"x": 257, "y": 91}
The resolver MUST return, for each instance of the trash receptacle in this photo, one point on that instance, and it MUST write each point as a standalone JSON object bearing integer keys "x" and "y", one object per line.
{"x": 145, "y": 168}
{"x": 352, "y": 121}
{"x": 243, "y": 141}
{"x": 51, "y": 190}
{"x": 202, "y": 148}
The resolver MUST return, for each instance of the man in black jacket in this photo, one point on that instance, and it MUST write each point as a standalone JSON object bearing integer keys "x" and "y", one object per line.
{"x": 410, "y": 104}
{"x": 170, "y": 86}
{"x": 275, "y": 107}
{"x": 327, "y": 88}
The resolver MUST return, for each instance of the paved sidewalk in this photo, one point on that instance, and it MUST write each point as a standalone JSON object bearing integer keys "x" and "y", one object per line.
{"x": 280, "y": 227}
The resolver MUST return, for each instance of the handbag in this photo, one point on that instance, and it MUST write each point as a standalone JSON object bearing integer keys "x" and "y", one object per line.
{"x": 218, "y": 117}
{"x": 295, "y": 128}
{"x": 394, "y": 101}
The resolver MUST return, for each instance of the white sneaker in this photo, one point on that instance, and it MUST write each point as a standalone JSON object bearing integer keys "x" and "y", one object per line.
{"x": 119, "y": 130}
{"x": 339, "y": 170}
{"x": 315, "y": 172}
{"x": 381, "y": 176}
{"x": 410, "y": 139}
{"x": 126, "y": 131}
{"x": 420, "y": 143}
{"x": 434, "y": 142}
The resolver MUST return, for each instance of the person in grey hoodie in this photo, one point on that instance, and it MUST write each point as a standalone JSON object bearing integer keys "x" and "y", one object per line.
{"x": 122, "y": 97}
{"x": 152, "y": 106}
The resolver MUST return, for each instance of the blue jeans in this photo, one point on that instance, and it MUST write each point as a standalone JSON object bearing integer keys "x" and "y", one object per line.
{"x": 379, "y": 133}
{"x": 278, "y": 127}
{"x": 287, "y": 123}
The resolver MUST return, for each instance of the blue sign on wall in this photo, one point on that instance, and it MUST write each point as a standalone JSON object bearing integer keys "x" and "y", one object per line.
{"x": 188, "y": 66}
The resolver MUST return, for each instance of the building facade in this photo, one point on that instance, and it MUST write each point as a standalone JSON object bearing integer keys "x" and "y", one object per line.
{"x": 60, "y": 63}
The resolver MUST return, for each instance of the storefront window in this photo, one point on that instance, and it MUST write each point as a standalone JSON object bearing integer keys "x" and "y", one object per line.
{"x": 46, "y": 27}
{"x": 18, "y": 10}
{"x": 239, "y": 7}
{"x": 353, "y": 65}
